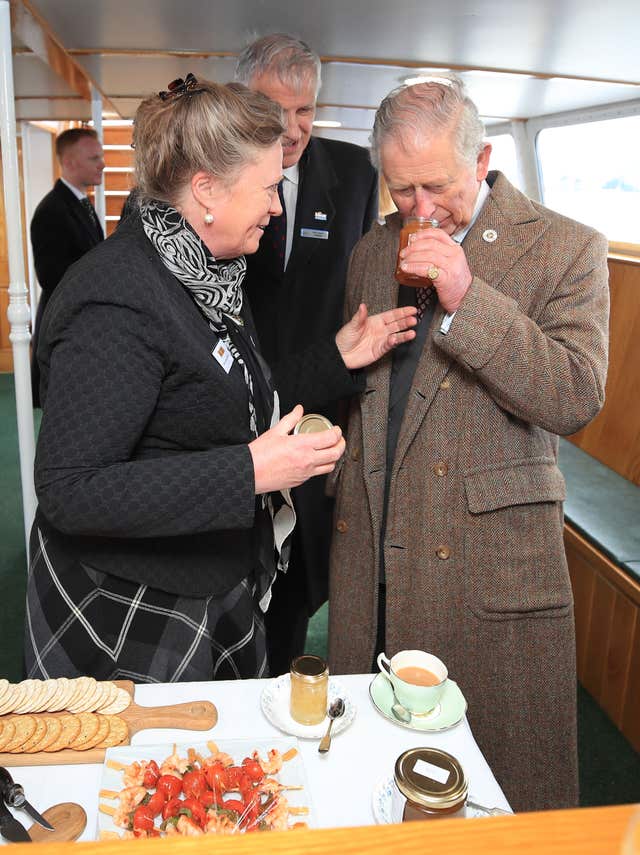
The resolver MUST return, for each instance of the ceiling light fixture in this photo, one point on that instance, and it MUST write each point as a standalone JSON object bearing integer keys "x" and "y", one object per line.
{"x": 326, "y": 123}
{"x": 436, "y": 77}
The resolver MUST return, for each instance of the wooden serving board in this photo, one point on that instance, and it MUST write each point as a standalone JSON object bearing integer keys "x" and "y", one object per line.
{"x": 193, "y": 715}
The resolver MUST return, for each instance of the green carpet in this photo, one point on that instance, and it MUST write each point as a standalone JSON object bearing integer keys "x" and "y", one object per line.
{"x": 13, "y": 558}
{"x": 609, "y": 768}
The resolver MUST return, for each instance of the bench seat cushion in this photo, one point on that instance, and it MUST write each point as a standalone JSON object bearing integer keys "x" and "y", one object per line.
{"x": 603, "y": 506}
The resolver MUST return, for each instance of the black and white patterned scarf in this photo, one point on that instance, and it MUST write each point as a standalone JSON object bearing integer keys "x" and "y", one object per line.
{"x": 216, "y": 288}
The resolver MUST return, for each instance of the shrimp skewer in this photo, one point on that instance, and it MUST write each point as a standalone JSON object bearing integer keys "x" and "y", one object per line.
{"x": 129, "y": 798}
{"x": 174, "y": 764}
{"x": 271, "y": 786}
{"x": 264, "y": 806}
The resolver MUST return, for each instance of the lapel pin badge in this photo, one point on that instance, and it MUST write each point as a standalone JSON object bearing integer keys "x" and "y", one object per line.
{"x": 320, "y": 215}
{"x": 489, "y": 235}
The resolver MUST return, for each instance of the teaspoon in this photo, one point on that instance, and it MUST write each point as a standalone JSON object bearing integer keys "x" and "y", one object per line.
{"x": 399, "y": 712}
{"x": 335, "y": 711}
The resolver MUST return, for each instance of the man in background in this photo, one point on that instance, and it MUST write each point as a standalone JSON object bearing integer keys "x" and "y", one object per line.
{"x": 295, "y": 283}
{"x": 65, "y": 225}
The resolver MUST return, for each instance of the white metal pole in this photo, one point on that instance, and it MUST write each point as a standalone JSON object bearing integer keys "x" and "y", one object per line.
{"x": 18, "y": 312}
{"x": 526, "y": 159}
{"x": 27, "y": 154}
{"x": 96, "y": 115}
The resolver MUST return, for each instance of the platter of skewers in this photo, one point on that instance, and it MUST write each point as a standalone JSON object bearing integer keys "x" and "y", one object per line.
{"x": 234, "y": 786}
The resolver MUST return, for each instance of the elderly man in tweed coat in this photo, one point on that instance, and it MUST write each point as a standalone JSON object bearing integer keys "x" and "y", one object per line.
{"x": 448, "y": 525}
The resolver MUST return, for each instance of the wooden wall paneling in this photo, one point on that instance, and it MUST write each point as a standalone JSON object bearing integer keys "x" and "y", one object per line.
{"x": 599, "y": 634}
{"x": 618, "y": 658}
{"x": 112, "y": 225}
{"x": 607, "y": 612}
{"x": 117, "y": 135}
{"x": 631, "y": 710}
{"x": 114, "y": 204}
{"x": 119, "y": 158}
{"x": 613, "y": 437}
{"x": 583, "y": 583}
{"x": 618, "y": 578}
{"x": 6, "y": 353}
{"x": 118, "y": 181}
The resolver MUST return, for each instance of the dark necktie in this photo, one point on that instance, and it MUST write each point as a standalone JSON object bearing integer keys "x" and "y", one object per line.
{"x": 423, "y": 298}
{"x": 93, "y": 217}
{"x": 276, "y": 231}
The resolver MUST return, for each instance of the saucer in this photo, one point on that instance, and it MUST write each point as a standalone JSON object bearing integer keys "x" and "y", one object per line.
{"x": 275, "y": 705}
{"x": 449, "y": 712}
{"x": 381, "y": 803}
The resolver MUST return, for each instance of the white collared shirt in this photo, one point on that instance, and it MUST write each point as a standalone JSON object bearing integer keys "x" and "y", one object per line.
{"x": 77, "y": 193}
{"x": 290, "y": 193}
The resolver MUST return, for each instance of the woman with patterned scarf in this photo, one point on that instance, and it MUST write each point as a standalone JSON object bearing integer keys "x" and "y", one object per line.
{"x": 166, "y": 452}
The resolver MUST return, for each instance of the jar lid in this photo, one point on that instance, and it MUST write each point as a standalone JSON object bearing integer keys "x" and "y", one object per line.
{"x": 312, "y": 423}
{"x": 309, "y": 668}
{"x": 431, "y": 778}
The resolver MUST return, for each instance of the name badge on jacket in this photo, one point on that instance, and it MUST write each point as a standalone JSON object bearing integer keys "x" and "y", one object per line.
{"x": 223, "y": 355}
{"x": 318, "y": 234}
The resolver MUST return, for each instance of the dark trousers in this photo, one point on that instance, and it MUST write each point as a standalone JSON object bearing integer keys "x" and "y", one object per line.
{"x": 286, "y": 620}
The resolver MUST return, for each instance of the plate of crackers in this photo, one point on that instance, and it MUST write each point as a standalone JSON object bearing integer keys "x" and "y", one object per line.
{"x": 63, "y": 713}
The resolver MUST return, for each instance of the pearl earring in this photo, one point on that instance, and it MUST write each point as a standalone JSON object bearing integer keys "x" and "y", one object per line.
{"x": 208, "y": 218}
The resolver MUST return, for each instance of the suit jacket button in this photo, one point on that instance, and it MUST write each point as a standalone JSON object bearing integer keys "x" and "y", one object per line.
{"x": 355, "y": 454}
{"x": 443, "y": 552}
{"x": 342, "y": 526}
{"x": 441, "y": 469}
{"x": 445, "y": 383}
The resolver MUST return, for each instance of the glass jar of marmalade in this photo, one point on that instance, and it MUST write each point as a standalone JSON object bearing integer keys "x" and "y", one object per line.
{"x": 309, "y": 686}
{"x": 428, "y": 784}
{"x": 409, "y": 226}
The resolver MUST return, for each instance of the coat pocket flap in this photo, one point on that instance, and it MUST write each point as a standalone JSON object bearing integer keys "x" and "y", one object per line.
{"x": 523, "y": 483}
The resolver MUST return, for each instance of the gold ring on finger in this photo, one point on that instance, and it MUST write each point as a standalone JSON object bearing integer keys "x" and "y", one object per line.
{"x": 433, "y": 273}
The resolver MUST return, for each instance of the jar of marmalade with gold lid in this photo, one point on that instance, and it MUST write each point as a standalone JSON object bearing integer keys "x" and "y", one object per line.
{"x": 428, "y": 784}
{"x": 309, "y": 687}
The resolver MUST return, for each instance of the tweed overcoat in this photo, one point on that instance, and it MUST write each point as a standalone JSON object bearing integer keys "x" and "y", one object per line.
{"x": 474, "y": 558}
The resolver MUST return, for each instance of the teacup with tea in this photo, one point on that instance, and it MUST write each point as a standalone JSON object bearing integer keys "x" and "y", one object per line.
{"x": 418, "y": 679}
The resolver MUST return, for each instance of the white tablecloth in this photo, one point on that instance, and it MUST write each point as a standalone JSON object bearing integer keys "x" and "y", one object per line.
{"x": 341, "y": 782}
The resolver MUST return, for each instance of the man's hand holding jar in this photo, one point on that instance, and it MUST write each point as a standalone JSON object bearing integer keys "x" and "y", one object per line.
{"x": 438, "y": 260}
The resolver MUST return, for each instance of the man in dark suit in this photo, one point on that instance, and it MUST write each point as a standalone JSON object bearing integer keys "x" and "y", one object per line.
{"x": 295, "y": 283}
{"x": 65, "y": 225}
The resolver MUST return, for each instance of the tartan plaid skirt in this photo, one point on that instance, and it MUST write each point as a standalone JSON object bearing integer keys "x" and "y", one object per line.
{"x": 82, "y": 621}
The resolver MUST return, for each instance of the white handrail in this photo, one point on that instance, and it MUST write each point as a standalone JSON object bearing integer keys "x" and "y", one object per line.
{"x": 96, "y": 115}
{"x": 18, "y": 312}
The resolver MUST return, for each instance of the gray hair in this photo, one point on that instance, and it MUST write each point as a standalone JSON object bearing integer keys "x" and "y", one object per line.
{"x": 291, "y": 59}
{"x": 426, "y": 109}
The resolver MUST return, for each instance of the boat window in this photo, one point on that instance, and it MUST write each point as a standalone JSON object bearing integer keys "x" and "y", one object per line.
{"x": 591, "y": 172}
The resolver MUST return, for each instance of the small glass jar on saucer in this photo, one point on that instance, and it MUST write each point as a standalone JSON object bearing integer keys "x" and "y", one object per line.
{"x": 428, "y": 784}
{"x": 309, "y": 686}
